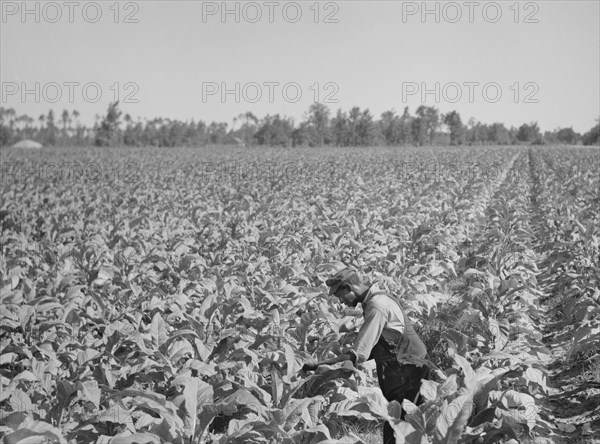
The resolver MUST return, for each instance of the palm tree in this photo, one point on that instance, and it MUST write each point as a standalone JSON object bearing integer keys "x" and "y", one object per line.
{"x": 66, "y": 119}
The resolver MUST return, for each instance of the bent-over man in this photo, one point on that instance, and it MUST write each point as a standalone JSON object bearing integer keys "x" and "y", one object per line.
{"x": 386, "y": 336}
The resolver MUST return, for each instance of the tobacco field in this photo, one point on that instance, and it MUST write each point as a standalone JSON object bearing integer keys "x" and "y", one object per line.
{"x": 172, "y": 295}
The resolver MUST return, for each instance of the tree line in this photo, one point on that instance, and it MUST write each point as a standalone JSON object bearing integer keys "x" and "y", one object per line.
{"x": 319, "y": 127}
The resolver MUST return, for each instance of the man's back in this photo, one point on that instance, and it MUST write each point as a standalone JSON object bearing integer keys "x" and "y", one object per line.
{"x": 386, "y": 319}
{"x": 398, "y": 330}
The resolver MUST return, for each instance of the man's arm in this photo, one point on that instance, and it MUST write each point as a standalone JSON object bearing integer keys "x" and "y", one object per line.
{"x": 368, "y": 335}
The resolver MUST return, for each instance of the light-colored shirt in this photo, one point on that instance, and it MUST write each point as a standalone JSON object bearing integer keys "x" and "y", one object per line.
{"x": 382, "y": 317}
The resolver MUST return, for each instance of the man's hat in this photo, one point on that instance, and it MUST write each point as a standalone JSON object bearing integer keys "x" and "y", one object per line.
{"x": 344, "y": 276}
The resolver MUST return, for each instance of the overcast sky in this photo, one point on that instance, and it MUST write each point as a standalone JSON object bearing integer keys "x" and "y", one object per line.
{"x": 495, "y": 61}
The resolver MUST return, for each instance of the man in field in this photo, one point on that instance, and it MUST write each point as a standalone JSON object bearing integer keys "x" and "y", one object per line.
{"x": 386, "y": 336}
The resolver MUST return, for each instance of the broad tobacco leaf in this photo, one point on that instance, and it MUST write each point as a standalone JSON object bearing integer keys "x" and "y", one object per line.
{"x": 453, "y": 418}
{"x": 35, "y": 431}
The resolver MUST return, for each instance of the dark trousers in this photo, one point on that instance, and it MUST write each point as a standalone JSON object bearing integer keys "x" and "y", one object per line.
{"x": 398, "y": 382}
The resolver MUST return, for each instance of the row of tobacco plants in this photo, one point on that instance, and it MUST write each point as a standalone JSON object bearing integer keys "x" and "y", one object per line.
{"x": 567, "y": 200}
{"x": 151, "y": 296}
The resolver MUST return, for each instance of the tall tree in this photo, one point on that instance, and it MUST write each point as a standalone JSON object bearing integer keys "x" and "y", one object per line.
{"x": 353, "y": 121}
{"x": 425, "y": 124}
{"x": 406, "y": 123}
{"x": 248, "y": 127}
{"x": 568, "y": 136}
{"x": 108, "y": 130}
{"x": 66, "y": 120}
{"x": 275, "y": 131}
{"x": 476, "y": 132}
{"x": 6, "y": 126}
{"x": 529, "y": 133}
{"x": 318, "y": 118}
{"x": 391, "y": 128}
{"x": 303, "y": 135}
{"x": 339, "y": 128}
{"x": 418, "y": 131}
{"x": 592, "y": 137}
{"x": 217, "y": 133}
{"x": 499, "y": 134}
{"x": 365, "y": 129}
{"x": 79, "y": 130}
{"x": 456, "y": 128}
{"x": 51, "y": 129}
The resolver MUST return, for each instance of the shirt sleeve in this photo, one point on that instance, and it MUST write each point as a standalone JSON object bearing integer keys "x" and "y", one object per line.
{"x": 369, "y": 334}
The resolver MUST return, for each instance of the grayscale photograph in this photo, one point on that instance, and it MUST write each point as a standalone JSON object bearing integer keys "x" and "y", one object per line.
{"x": 300, "y": 222}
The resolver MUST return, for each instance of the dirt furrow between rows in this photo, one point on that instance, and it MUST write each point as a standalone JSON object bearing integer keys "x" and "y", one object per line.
{"x": 572, "y": 404}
